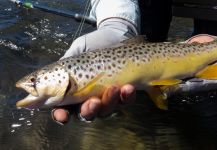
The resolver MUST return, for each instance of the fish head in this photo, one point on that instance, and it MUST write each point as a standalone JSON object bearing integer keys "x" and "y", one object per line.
{"x": 47, "y": 86}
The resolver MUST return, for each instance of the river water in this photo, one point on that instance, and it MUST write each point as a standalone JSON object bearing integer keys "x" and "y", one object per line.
{"x": 30, "y": 39}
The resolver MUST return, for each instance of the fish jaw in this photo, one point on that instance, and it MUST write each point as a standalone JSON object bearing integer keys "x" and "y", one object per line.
{"x": 27, "y": 86}
{"x": 31, "y": 102}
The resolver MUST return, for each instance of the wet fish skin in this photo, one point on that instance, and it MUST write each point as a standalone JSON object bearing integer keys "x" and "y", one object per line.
{"x": 74, "y": 79}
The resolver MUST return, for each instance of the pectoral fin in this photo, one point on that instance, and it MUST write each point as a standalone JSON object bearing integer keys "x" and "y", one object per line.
{"x": 165, "y": 82}
{"x": 89, "y": 87}
{"x": 210, "y": 73}
{"x": 158, "y": 97}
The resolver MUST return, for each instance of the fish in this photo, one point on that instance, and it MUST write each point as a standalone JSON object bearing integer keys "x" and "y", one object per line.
{"x": 147, "y": 66}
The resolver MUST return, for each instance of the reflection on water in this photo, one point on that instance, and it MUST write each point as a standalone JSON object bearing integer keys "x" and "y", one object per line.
{"x": 30, "y": 39}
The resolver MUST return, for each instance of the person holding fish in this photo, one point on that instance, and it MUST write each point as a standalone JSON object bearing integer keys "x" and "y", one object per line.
{"x": 117, "y": 20}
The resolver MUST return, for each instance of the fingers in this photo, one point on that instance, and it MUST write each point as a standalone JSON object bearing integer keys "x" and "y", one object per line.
{"x": 90, "y": 108}
{"x": 201, "y": 38}
{"x": 60, "y": 115}
{"x": 128, "y": 94}
{"x": 110, "y": 99}
{"x": 95, "y": 106}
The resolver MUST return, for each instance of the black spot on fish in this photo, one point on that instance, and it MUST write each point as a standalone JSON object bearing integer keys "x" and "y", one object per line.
{"x": 63, "y": 63}
{"x": 45, "y": 77}
{"x": 69, "y": 66}
{"x": 58, "y": 74}
{"x": 59, "y": 81}
{"x": 135, "y": 48}
{"x": 119, "y": 67}
{"x": 99, "y": 67}
{"x": 80, "y": 75}
{"x": 87, "y": 76}
{"x": 56, "y": 69}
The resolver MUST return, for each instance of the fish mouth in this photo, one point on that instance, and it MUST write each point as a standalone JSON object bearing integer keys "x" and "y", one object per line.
{"x": 28, "y": 87}
{"x": 31, "y": 102}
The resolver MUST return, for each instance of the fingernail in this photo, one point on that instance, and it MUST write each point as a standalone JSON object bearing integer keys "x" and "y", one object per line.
{"x": 81, "y": 118}
{"x": 54, "y": 118}
{"x": 127, "y": 95}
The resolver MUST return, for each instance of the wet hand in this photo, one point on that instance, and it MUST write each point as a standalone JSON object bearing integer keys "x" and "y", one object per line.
{"x": 95, "y": 106}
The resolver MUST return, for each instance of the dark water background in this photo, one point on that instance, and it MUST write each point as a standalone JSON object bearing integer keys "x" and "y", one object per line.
{"x": 30, "y": 39}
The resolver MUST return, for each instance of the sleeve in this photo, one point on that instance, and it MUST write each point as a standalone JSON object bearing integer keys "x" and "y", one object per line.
{"x": 119, "y": 21}
{"x": 109, "y": 33}
{"x": 125, "y": 9}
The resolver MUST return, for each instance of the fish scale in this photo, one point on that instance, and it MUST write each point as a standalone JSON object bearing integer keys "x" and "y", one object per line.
{"x": 143, "y": 64}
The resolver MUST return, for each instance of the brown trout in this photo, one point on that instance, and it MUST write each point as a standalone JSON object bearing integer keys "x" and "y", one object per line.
{"x": 147, "y": 66}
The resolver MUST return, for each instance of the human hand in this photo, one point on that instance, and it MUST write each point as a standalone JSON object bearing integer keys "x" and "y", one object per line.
{"x": 201, "y": 38}
{"x": 98, "y": 106}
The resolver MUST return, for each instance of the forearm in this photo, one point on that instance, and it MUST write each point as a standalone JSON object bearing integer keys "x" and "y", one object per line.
{"x": 117, "y": 20}
{"x": 110, "y": 32}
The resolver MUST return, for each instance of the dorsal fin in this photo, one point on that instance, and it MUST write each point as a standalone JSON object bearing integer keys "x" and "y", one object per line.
{"x": 135, "y": 40}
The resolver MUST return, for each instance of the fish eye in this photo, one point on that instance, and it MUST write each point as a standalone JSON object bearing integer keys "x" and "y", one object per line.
{"x": 32, "y": 79}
